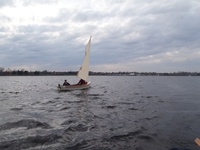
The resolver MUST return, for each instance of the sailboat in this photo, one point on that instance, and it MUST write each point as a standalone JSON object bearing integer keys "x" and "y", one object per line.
{"x": 83, "y": 73}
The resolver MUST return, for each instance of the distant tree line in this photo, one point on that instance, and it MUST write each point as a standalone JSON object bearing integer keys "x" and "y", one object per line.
{"x": 146, "y": 73}
{"x": 33, "y": 73}
{"x": 9, "y": 72}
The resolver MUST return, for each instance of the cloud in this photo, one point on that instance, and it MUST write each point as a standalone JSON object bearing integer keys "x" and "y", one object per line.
{"x": 38, "y": 2}
{"x": 4, "y": 3}
{"x": 126, "y": 34}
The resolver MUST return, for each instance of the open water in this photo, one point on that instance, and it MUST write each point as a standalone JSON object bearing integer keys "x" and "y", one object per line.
{"x": 116, "y": 113}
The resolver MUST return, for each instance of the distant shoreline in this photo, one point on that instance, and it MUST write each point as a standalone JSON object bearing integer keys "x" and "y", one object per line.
{"x": 73, "y": 73}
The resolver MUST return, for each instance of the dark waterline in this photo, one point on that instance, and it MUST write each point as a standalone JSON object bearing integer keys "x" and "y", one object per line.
{"x": 122, "y": 112}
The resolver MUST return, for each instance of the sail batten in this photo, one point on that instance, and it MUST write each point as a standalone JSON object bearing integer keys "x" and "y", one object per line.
{"x": 83, "y": 72}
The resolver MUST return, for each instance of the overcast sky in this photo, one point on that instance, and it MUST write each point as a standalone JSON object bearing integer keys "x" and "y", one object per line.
{"x": 127, "y": 35}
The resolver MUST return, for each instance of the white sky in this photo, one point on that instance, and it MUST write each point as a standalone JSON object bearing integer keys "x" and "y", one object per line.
{"x": 127, "y": 35}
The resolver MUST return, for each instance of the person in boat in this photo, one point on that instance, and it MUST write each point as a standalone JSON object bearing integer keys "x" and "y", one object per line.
{"x": 81, "y": 82}
{"x": 66, "y": 83}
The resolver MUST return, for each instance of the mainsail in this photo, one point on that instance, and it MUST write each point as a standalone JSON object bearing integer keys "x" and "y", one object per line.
{"x": 83, "y": 72}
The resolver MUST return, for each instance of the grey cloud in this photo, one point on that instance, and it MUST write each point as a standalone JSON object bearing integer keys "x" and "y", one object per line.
{"x": 34, "y": 28}
{"x": 160, "y": 31}
{"x": 84, "y": 16}
{"x": 6, "y": 3}
{"x": 28, "y": 2}
{"x": 32, "y": 45}
{"x": 179, "y": 28}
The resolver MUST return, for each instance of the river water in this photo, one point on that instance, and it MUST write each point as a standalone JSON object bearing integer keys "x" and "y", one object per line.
{"x": 116, "y": 113}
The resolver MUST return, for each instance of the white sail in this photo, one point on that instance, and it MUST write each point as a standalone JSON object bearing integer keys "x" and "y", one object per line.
{"x": 83, "y": 72}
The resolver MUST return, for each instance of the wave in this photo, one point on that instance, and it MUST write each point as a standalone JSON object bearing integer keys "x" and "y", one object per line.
{"x": 31, "y": 141}
{"x": 28, "y": 123}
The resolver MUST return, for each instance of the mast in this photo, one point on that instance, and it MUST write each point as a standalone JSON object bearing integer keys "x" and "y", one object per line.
{"x": 83, "y": 72}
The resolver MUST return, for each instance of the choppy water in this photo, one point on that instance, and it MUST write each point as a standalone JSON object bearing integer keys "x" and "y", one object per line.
{"x": 120, "y": 113}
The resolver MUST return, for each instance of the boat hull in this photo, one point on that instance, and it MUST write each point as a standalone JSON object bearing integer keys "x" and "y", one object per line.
{"x": 74, "y": 87}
